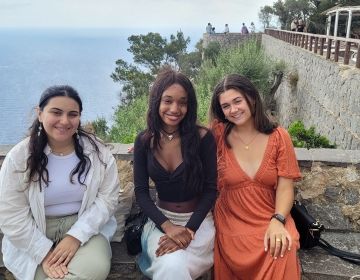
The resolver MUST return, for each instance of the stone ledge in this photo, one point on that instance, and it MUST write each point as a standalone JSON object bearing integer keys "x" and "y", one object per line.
{"x": 331, "y": 157}
{"x": 316, "y": 263}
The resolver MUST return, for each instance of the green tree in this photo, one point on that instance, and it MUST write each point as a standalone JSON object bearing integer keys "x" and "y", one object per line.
{"x": 151, "y": 52}
{"x": 129, "y": 120}
{"x": 248, "y": 59}
{"x": 289, "y": 9}
{"x": 148, "y": 50}
{"x": 134, "y": 81}
{"x": 212, "y": 51}
{"x": 100, "y": 128}
{"x": 279, "y": 10}
{"x": 265, "y": 15}
{"x": 176, "y": 48}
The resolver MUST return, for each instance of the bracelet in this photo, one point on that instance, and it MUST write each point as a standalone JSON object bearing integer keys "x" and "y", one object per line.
{"x": 279, "y": 217}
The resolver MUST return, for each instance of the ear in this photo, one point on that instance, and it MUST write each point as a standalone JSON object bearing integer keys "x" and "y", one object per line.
{"x": 39, "y": 113}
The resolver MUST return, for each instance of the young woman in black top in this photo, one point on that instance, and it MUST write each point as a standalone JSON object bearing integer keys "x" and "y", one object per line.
{"x": 180, "y": 158}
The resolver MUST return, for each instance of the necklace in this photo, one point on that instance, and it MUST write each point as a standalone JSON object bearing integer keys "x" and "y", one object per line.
{"x": 56, "y": 153}
{"x": 246, "y": 146}
{"x": 64, "y": 152}
{"x": 169, "y": 135}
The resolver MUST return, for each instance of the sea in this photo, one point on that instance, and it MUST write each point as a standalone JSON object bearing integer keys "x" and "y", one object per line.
{"x": 31, "y": 60}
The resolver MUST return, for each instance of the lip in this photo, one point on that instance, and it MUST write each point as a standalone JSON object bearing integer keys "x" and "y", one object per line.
{"x": 172, "y": 117}
{"x": 237, "y": 115}
{"x": 62, "y": 129}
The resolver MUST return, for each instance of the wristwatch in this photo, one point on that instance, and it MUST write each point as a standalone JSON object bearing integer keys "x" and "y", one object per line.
{"x": 279, "y": 217}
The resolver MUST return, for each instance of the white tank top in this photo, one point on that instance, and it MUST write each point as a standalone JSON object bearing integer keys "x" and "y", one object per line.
{"x": 62, "y": 198}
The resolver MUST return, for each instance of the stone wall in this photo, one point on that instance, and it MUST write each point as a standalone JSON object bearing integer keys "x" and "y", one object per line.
{"x": 319, "y": 92}
{"x": 228, "y": 39}
{"x": 330, "y": 186}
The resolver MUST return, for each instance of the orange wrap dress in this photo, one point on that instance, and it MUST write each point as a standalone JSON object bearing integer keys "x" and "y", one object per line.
{"x": 243, "y": 210}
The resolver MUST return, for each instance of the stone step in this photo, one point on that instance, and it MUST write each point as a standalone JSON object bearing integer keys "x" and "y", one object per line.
{"x": 316, "y": 263}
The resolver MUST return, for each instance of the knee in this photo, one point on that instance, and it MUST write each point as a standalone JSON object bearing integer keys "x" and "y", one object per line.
{"x": 93, "y": 269}
{"x": 98, "y": 269}
{"x": 172, "y": 264}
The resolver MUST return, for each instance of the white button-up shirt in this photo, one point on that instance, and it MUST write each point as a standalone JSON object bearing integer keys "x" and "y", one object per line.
{"x": 22, "y": 212}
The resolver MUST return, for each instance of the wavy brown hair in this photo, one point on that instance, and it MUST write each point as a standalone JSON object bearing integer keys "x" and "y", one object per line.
{"x": 252, "y": 97}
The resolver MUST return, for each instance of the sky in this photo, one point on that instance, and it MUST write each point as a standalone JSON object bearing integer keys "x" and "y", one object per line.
{"x": 179, "y": 14}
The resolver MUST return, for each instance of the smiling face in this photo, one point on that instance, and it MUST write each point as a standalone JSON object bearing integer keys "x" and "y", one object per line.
{"x": 60, "y": 119}
{"x": 173, "y": 107}
{"x": 235, "y": 107}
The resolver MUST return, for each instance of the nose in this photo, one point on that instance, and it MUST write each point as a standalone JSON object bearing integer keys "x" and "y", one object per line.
{"x": 174, "y": 108}
{"x": 233, "y": 108}
{"x": 64, "y": 119}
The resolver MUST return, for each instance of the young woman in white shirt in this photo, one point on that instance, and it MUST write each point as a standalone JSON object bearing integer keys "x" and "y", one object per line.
{"x": 58, "y": 193}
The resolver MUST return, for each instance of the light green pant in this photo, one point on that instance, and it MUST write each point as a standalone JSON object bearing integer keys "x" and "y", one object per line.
{"x": 91, "y": 262}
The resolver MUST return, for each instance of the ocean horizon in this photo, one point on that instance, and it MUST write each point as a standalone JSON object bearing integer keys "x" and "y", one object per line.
{"x": 31, "y": 60}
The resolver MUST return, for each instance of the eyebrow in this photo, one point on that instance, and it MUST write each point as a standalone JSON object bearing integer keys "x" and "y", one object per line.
{"x": 169, "y": 96}
{"x": 58, "y": 109}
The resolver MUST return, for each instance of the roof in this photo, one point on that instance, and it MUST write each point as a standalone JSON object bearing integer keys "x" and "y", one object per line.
{"x": 343, "y": 10}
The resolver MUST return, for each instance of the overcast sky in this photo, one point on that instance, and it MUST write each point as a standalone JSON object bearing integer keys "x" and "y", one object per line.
{"x": 130, "y": 13}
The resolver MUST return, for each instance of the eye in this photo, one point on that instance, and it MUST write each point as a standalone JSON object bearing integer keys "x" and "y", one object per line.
{"x": 225, "y": 106}
{"x": 74, "y": 115}
{"x": 57, "y": 113}
{"x": 238, "y": 101}
{"x": 167, "y": 101}
{"x": 183, "y": 103}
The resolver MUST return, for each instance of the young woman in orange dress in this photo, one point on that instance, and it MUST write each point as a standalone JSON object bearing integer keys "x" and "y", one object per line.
{"x": 256, "y": 237}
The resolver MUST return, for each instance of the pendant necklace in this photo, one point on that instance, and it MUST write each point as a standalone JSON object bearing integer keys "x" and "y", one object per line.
{"x": 246, "y": 146}
{"x": 169, "y": 135}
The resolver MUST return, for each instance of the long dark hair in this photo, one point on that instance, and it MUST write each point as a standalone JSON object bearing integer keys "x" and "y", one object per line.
{"x": 37, "y": 160}
{"x": 248, "y": 90}
{"x": 188, "y": 128}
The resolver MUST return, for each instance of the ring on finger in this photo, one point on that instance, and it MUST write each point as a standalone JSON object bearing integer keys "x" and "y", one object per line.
{"x": 278, "y": 240}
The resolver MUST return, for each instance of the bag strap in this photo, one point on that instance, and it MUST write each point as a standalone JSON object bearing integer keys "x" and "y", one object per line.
{"x": 348, "y": 256}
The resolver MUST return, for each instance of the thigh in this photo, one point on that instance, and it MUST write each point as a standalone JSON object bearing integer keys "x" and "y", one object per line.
{"x": 40, "y": 274}
{"x": 92, "y": 261}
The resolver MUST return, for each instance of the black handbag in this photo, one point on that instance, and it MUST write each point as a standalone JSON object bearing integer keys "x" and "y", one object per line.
{"x": 310, "y": 234}
{"x": 308, "y": 228}
{"x": 133, "y": 229}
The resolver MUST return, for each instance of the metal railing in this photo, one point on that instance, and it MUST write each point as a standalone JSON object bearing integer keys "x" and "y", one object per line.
{"x": 335, "y": 48}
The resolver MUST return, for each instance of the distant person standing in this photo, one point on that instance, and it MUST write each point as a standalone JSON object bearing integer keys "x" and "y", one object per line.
{"x": 294, "y": 25}
{"x": 208, "y": 28}
{"x": 252, "y": 27}
{"x": 300, "y": 25}
{"x": 244, "y": 29}
{"x": 226, "y": 29}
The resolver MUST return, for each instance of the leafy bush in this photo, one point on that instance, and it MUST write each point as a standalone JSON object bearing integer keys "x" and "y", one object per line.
{"x": 248, "y": 59}
{"x": 307, "y": 138}
{"x": 100, "y": 128}
{"x": 129, "y": 120}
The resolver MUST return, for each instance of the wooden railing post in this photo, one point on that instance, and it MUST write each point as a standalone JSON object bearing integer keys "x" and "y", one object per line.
{"x": 322, "y": 46}
{"x": 336, "y": 55}
{"x": 316, "y": 44}
{"x": 328, "y": 49}
{"x": 358, "y": 57}
{"x": 347, "y": 53}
